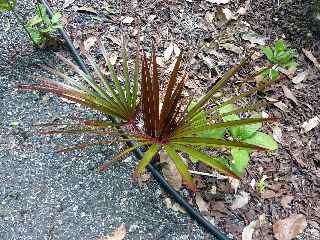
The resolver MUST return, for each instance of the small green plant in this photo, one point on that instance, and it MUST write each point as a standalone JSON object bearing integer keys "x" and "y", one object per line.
{"x": 245, "y": 133}
{"x": 176, "y": 127}
{"x": 40, "y": 26}
{"x": 280, "y": 56}
{"x": 248, "y": 134}
{"x": 261, "y": 185}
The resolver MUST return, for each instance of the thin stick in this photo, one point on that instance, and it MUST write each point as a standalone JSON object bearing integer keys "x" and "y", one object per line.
{"x": 215, "y": 175}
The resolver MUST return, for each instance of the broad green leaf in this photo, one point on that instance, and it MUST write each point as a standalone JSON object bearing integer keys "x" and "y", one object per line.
{"x": 235, "y": 131}
{"x": 246, "y": 131}
{"x": 280, "y": 46}
{"x": 240, "y": 132}
{"x": 35, "y": 35}
{"x": 7, "y": 5}
{"x": 205, "y": 159}
{"x": 240, "y": 160}
{"x": 263, "y": 140}
{"x": 180, "y": 165}
{"x": 269, "y": 53}
{"x": 42, "y": 13}
{"x": 201, "y": 119}
{"x": 216, "y": 133}
{"x": 226, "y": 109}
{"x": 34, "y": 21}
{"x": 55, "y": 20}
{"x": 147, "y": 157}
{"x": 274, "y": 74}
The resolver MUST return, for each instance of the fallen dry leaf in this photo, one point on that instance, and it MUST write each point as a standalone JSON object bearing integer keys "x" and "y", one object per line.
{"x": 127, "y": 20}
{"x": 228, "y": 14}
{"x": 202, "y": 204}
{"x": 209, "y": 16}
{"x": 113, "y": 58}
{"x": 281, "y": 106}
{"x": 170, "y": 171}
{"x": 286, "y": 200}
{"x": 300, "y": 77}
{"x": 240, "y": 201}
{"x": 67, "y": 3}
{"x": 277, "y": 133}
{"x": 248, "y": 230}
{"x": 254, "y": 38}
{"x": 89, "y": 43}
{"x": 85, "y": 9}
{"x": 235, "y": 183}
{"x": 243, "y": 10}
{"x": 115, "y": 40}
{"x": 118, "y": 234}
{"x": 231, "y": 47}
{"x": 310, "y": 124}
{"x": 253, "y": 183}
{"x": 312, "y": 58}
{"x": 175, "y": 206}
{"x": 268, "y": 194}
{"x": 290, "y": 227}
{"x": 168, "y": 52}
{"x": 218, "y": 1}
{"x": 176, "y": 50}
{"x": 287, "y": 92}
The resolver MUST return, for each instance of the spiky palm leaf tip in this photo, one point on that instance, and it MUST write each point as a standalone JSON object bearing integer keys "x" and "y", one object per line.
{"x": 96, "y": 91}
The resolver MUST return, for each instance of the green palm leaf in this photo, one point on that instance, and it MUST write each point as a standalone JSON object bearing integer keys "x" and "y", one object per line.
{"x": 215, "y": 163}
{"x": 181, "y": 166}
{"x": 147, "y": 157}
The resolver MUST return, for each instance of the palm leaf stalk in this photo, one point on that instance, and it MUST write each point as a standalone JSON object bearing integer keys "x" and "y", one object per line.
{"x": 171, "y": 128}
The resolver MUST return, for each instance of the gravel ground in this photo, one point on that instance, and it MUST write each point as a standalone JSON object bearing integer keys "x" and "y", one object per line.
{"x": 44, "y": 195}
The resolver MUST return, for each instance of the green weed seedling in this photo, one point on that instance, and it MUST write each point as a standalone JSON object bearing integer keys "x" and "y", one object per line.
{"x": 40, "y": 26}
{"x": 279, "y": 56}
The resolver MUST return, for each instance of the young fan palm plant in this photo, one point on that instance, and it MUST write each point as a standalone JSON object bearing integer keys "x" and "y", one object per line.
{"x": 174, "y": 128}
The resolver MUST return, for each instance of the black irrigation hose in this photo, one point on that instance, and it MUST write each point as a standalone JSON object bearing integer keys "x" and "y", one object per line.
{"x": 156, "y": 174}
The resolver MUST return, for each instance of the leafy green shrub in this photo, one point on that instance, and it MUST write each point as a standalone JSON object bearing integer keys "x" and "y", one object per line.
{"x": 176, "y": 127}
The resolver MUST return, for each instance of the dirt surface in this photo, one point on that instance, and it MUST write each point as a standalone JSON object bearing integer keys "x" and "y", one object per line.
{"x": 197, "y": 28}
